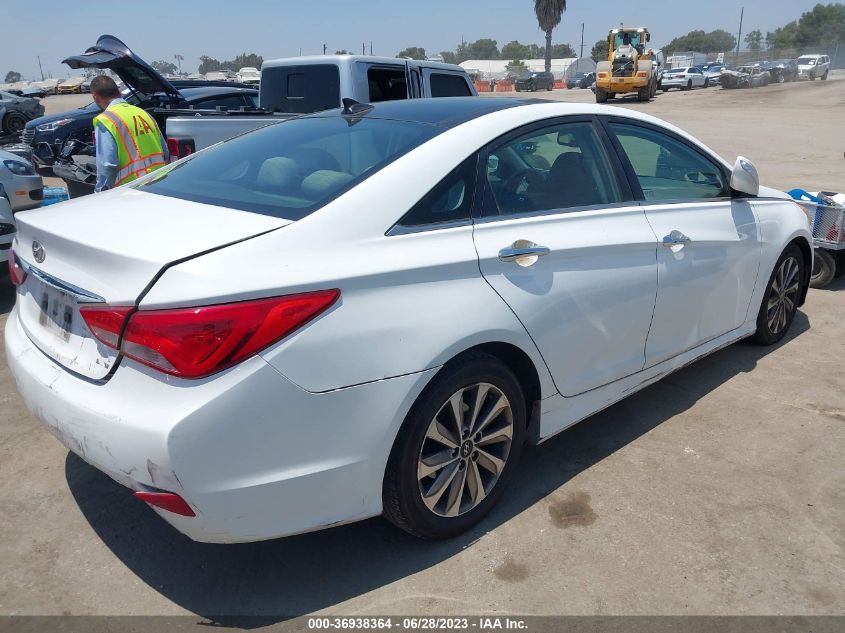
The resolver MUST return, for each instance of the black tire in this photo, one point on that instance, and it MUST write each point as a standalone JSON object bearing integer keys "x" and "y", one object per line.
{"x": 824, "y": 77}
{"x": 644, "y": 93}
{"x": 824, "y": 269}
{"x": 14, "y": 123}
{"x": 689, "y": 85}
{"x": 550, "y": 87}
{"x": 707, "y": 83}
{"x": 402, "y": 499}
{"x": 601, "y": 95}
{"x": 766, "y": 334}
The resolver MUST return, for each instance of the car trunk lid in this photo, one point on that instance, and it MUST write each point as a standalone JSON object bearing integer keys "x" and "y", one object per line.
{"x": 109, "y": 248}
{"x": 109, "y": 53}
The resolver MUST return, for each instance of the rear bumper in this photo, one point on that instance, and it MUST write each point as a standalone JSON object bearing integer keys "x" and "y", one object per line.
{"x": 255, "y": 456}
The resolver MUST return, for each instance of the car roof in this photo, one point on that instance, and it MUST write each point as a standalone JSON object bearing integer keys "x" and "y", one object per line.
{"x": 442, "y": 111}
{"x": 214, "y": 91}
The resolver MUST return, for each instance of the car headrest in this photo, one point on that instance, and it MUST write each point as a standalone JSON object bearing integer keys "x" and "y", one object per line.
{"x": 278, "y": 172}
{"x": 324, "y": 182}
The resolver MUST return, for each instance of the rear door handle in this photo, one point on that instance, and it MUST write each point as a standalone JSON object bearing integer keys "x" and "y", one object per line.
{"x": 675, "y": 238}
{"x": 523, "y": 252}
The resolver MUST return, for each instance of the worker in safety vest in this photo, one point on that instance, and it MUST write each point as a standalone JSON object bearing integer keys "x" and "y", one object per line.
{"x": 129, "y": 143}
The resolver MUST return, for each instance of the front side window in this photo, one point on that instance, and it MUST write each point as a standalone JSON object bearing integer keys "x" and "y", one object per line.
{"x": 667, "y": 168}
{"x": 290, "y": 169}
{"x": 559, "y": 167}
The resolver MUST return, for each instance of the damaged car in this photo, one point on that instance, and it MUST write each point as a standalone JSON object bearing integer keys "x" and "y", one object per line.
{"x": 745, "y": 77}
{"x": 16, "y": 111}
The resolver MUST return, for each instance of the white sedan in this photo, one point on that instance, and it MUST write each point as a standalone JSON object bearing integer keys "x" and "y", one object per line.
{"x": 371, "y": 311}
{"x": 683, "y": 79}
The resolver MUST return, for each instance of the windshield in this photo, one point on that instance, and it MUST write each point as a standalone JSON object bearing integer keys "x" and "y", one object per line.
{"x": 290, "y": 169}
{"x": 807, "y": 61}
{"x": 621, "y": 39}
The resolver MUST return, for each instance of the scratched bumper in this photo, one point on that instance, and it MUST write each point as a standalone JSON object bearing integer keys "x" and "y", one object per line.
{"x": 255, "y": 456}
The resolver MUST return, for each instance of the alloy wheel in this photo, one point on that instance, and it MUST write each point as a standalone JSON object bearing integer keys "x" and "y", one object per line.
{"x": 465, "y": 450}
{"x": 783, "y": 295}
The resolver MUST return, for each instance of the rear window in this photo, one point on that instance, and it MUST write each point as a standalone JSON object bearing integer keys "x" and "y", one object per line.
{"x": 300, "y": 89}
{"x": 291, "y": 169}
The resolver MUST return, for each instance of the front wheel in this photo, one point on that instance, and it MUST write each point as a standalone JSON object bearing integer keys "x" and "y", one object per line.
{"x": 824, "y": 77}
{"x": 14, "y": 123}
{"x": 644, "y": 93}
{"x": 689, "y": 85}
{"x": 457, "y": 449}
{"x": 780, "y": 301}
{"x": 601, "y": 95}
{"x": 824, "y": 269}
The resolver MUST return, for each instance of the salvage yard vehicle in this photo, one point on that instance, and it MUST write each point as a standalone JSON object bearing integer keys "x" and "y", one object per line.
{"x": 302, "y": 85}
{"x": 630, "y": 67}
{"x": 292, "y": 350}
{"x": 15, "y": 111}
{"x": 712, "y": 74}
{"x": 146, "y": 88}
{"x": 683, "y": 79}
{"x": 7, "y": 229}
{"x": 782, "y": 70}
{"x": 24, "y": 188}
{"x": 534, "y": 81}
{"x": 745, "y": 77}
{"x": 813, "y": 67}
{"x": 827, "y": 210}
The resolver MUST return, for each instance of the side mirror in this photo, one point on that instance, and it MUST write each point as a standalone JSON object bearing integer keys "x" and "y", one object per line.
{"x": 744, "y": 177}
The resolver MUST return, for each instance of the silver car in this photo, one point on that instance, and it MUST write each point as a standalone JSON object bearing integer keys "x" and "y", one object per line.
{"x": 24, "y": 187}
{"x": 7, "y": 231}
{"x": 15, "y": 111}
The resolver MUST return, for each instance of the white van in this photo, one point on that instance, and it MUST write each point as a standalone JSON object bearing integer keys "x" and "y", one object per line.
{"x": 813, "y": 67}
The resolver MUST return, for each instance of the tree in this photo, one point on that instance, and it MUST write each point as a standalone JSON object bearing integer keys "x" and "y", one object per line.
{"x": 563, "y": 51}
{"x": 246, "y": 60}
{"x": 413, "y": 52}
{"x": 549, "y": 14}
{"x": 600, "y": 51}
{"x": 754, "y": 40}
{"x": 515, "y": 50}
{"x": 208, "y": 65}
{"x": 13, "y": 76}
{"x": 342, "y": 51}
{"x": 449, "y": 57}
{"x": 165, "y": 68}
{"x": 479, "y": 49}
{"x": 717, "y": 41}
{"x": 783, "y": 37}
{"x": 536, "y": 52}
{"x": 516, "y": 68}
{"x": 823, "y": 25}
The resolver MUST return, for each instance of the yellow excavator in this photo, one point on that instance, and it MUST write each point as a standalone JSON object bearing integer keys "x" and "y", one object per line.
{"x": 630, "y": 66}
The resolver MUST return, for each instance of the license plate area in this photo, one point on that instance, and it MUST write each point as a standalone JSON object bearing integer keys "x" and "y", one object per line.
{"x": 57, "y": 311}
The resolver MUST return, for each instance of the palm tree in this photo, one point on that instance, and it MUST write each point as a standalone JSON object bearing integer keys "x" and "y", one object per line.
{"x": 549, "y": 13}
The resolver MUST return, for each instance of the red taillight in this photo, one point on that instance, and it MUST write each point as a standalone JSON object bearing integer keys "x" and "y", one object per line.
{"x": 180, "y": 148}
{"x": 16, "y": 273}
{"x": 166, "y": 501}
{"x": 105, "y": 322}
{"x": 198, "y": 342}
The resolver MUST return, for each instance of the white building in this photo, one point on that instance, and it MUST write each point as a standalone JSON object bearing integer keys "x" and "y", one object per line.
{"x": 561, "y": 68}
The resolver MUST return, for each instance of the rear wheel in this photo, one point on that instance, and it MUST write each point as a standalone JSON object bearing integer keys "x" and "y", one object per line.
{"x": 824, "y": 77}
{"x": 689, "y": 85}
{"x": 457, "y": 449}
{"x": 780, "y": 301}
{"x": 644, "y": 93}
{"x": 824, "y": 269}
{"x": 601, "y": 95}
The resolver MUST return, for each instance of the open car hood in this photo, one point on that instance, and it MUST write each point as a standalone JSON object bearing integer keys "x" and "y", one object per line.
{"x": 112, "y": 54}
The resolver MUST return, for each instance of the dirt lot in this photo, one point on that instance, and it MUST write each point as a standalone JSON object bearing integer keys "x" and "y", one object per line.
{"x": 720, "y": 490}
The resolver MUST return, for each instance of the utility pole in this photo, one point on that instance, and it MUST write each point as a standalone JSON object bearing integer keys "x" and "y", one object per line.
{"x": 371, "y": 47}
{"x": 739, "y": 37}
{"x": 324, "y": 49}
{"x": 41, "y": 70}
{"x": 582, "y": 40}
{"x": 363, "y": 48}
{"x": 179, "y": 59}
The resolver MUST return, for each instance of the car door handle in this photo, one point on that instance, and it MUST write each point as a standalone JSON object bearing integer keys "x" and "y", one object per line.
{"x": 675, "y": 238}
{"x": 523, "y": 249}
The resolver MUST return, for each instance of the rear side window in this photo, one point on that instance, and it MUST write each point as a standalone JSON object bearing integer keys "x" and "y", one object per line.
{"x": 290, "y": 169}
{"x": 300, "y": 89}
{"x": 667, "y": 168}
{"x": 387, "y": 83}
{"x": 448, "y": 85}
{"x": 449, "y": 201}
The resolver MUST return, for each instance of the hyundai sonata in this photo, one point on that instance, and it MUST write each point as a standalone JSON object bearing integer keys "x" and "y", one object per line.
{"x": 371, "y": 311}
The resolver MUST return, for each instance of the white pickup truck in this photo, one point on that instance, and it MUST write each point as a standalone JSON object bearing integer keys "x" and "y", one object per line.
{"x": 301, "y": 85}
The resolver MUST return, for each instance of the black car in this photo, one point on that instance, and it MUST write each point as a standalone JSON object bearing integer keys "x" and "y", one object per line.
{"x": 782, "y": 70}
{"x": 581, "y": 80}
{"x": 535, "y": 81}
{"x": 145, "y": 87}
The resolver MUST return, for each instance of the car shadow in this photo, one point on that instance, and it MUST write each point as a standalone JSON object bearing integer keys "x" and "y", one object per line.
{"x": 257, "y": 584}
{"x": 837, "y": 284}
{"x": 7, "y": 294}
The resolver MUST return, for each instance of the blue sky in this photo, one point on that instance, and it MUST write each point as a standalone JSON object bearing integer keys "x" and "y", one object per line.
{"x": 157, "y": 29}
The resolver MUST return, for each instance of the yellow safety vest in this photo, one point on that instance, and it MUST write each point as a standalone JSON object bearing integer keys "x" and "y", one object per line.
{"x": 138, "y": 139}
